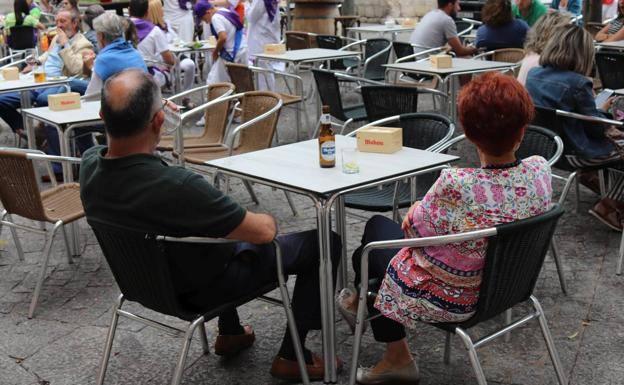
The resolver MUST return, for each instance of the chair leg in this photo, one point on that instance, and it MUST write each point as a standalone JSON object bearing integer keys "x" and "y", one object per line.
{"x": 291, "y": 203}
{"x": 188, "y": 337}
{"x": 447, "y": 348}
{"x": 18, "y": 244}
{"x": 555, "y": 253}
{"x": 618, "y": 270}
{"x": 550, "y": 344}
{"x": 578, "y": 195}
{"x": 67, "y": 249}
{"x": 508, "y": 316}
{"x": 251, "y": 192}
{"x": 109, "y": 341}
{"x": 2, "y": 216}
{"x": 204, "y": 338}
{"x": 44, "y": 267}
{"x": 359, "y": 330}
{"x": 472, "y": 353}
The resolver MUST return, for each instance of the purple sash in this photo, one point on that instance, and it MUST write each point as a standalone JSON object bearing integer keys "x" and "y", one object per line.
{"x": 271, "y": 8}
{"x": 143, "y": 27}
{"x": 232, "y": 17}
{"x": 183, "y": 4}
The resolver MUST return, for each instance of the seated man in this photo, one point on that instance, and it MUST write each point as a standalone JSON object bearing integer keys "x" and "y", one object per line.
{"x": 153, "y": 44}
{"x": 64, "y": 57}
{"x": 529, "y": 10}
{"x": 226, "y": 26}
{"x": 437, "y": 28}
{"x": 126, "y": 184}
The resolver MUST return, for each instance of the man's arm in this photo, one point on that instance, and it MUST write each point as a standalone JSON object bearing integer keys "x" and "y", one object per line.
{"x": 255, "y": 228}
{"x": 168, "y": 57}
{"x": 459, "y": 49}
{"x": 73, "y": 56}
{"x": 220, "y": 43}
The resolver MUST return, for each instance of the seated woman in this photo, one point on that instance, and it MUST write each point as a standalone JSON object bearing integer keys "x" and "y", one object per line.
{"x": 500, "y": 29}
{"x": 537, "y": 38}
{"x": 562, "y": 82}
{"x": 25, "y": 13}
{"x": 441, "y": 284}
{"x": 572, "y": 7}
{"x": 613, "y": 31}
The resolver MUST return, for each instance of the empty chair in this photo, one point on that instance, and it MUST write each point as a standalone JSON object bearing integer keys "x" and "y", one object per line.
{"x": 22, "y": 38}
{"x": 513, "y": 260}
{"x": 334, "y": 42}
{"x": 610, "y": 69}
{"x": 376, "y": 54}
{"x": 507, "y": 55}
{"x": 20, "y": 196}
{"x": 299, "y": 40}
{"x": 385, "y": 101}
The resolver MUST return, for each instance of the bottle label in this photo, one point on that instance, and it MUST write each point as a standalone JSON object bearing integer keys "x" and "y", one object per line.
{"x": 328, "y": 151}
{"x": 325, "y": 119}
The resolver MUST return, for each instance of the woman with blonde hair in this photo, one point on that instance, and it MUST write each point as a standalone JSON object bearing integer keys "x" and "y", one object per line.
{"x": 156, "y": 15}
{"x": 537, "y": 38}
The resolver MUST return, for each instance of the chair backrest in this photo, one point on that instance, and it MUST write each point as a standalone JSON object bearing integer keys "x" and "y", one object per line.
{"x": 611, "y": 69}
{"x": 217, "y": 116}
{"x": 242, "y": 77}
{"x": 22, "y": 37}
{"x": 422, "y": 130}
{"x": 19, "y": 192}
{"x": 329, "y": 92}
{"x": 402, "y": 49}
{"x": 384, "y": 101}
{"x": 299, "y": 40}
{"x": 329, "y": 41}
{"x": 260, "y": 135}
{"x": 547, "y": 118}
{"x": 463, "y": 27}
{"x": 140, "y": 267}
{"x": 374, "y": 68}
{"x": 513, "y": 261}
{"x": 509, "y": 55}
{"x": 538, "y": 141}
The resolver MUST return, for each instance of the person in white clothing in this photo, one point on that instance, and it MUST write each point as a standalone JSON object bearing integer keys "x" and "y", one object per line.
{"x": 153, "y": 44}
{"x": 156, "y": 16}
{"x": 179, "y": 17}
{"x": 263, "y": 19}
{"x": 227, "y": 27}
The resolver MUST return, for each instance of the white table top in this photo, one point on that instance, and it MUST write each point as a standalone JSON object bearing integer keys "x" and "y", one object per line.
{"x": 181, "y": 49}
{"x": 612, "y": 44}
{"x": 26, "y": 82}
{"x": 308, "y": 54}
{"x": 380, "y": 28}
{"x": 459, "y": 65}
{"x": 88, "y": 112}
{"x": 297, "y": 165}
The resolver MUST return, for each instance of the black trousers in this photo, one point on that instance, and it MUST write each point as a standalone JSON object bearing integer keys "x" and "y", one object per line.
{"x": 379, "y": 228}
{"x": 253, "y": 266}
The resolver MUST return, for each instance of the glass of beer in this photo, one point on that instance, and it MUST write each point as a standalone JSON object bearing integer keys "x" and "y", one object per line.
{"x": 40, "y": 75}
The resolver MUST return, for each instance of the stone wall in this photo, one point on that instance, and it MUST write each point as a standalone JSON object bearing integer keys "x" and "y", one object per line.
{"x": 378, "y": 10}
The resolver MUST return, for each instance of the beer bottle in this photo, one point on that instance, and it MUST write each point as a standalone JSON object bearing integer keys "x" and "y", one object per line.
{"x": 327, "y": 141}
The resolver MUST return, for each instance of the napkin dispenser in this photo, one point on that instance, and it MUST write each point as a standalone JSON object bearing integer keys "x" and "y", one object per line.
{"x": 380, "y": 139}
{"x": 408, "y": 22}
{"x": 274, "y": 49}
{"x": 64, "y": 101}
{"x": 441, "y": 61}
{"x": 10, "y": 73}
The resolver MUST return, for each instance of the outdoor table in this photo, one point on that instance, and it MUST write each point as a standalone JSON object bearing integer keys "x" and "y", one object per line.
{"x": 178, "y": 51}
{"x": 380, "y": 29}
{"x": 117, "y": 5}
{"x": 445, "y": 75}
{"x": 295, "y": 168}
{"x": 65, "y": 122}
{"x": 616, "y": 45}
{"x": 309, "y": 55}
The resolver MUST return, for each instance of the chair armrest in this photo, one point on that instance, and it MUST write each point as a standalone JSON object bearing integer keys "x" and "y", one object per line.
{"x": 588, "y": 118}
{"x": 53, "y": 158}
{"x": 426, "y": 52}
{"x": 471, "y": 21}
{"x": 13, "y": 63}
{"x": 193, "y": 90}
{"x": 389, "y": 119}
{"x": 345, "y": 47}
{"x": 452, "y": 142}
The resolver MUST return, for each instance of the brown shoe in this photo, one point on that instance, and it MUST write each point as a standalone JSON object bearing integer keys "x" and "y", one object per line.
{"x": 227, "y": 345}
{"x": 607, "y": 215}
{"x": 289, "y": 369}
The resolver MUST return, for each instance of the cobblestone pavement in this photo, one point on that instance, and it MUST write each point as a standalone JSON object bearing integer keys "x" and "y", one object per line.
{"x": 64, "y": 342}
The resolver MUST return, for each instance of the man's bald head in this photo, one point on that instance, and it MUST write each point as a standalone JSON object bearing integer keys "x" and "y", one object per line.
{"x": 130, "y": 99}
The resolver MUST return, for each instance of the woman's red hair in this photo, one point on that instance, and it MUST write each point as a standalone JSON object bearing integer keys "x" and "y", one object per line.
{"x": 494, "y": 109}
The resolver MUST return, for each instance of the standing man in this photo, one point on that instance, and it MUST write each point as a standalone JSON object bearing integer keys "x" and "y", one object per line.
{"x": 264, "y": 28}
{"x": 438, "y": 28}
{"x": 179, "y": 16}
{"x": 227, "y": 27}
{"x": 528, "y": 10}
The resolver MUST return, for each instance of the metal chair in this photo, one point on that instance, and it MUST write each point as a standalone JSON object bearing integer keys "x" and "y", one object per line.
{"x": 243, "y": 78}
{"x": 217, "y": 119}
{"x": 610, "y": 69}
{"x": 139, "y": 264}
{"x": 22, "y": 38}
{"x": 335, "y": 42}
{"x": 463, "y": 27}
{"x": 299, "y": 40}
{"x": 506, "y": 55}
{"x": 376, "y": 54}
{"x": 514, "y": 257}
{"x": 425, "y": 131}
{"x": 405, "y": 53}
{"x": 389, "y": 100}
{"x": 20, "y": 195}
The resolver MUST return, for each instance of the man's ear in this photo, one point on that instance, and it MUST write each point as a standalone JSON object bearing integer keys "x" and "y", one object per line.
{"x": 157, "y": 122}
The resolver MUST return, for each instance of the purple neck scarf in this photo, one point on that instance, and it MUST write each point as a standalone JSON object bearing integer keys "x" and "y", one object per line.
{"x": 183, "y": 4}
{"x": 271, "y": 8}
{"x": 232, "y": 17}
{"x": 143, "y": 27}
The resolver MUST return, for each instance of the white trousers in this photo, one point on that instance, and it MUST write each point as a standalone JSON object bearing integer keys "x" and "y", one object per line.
{"x": 218, "y": 72}
{"x": 187, "y": 68}
{"x": 183, "y": 26}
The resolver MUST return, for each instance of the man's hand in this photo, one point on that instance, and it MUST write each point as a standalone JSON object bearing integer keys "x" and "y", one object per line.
{"x": 215, "y": 55}
{"x": 88, "y": 57}
{"x": 61, "y": 37}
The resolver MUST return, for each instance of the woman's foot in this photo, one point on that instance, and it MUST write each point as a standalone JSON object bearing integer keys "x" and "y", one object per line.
{"x": 387, "y": 373}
